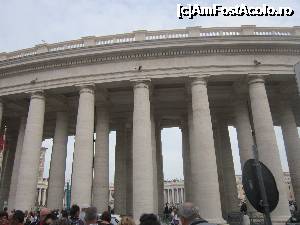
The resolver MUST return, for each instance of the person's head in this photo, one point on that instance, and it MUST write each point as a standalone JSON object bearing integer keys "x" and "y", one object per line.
{"x": 105, "y": 216}
{"x": 126, "y": 221}
{"x": 188, "y": 212}
{"x": 17, "y": 218}
{"x": 3, "y": 215}
{"x": 5, "y": 209}
{"x": 74, "y": 211}
{"x": 149, "y": 219}
{"x": 44, "y": 213}
{"x": 90, "y": 215}
{"x": 64, "y": 213}
{"x": 50, "y": 218}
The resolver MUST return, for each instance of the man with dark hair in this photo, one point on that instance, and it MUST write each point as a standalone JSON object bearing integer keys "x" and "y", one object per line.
{"x": 189, "y": 214}
{"x": 74, "y": 216}
{"x": 105, "y": 218}
{"x": 90, "y": 215}
{"x": 18, "y": 218}
{"x": 149, "y": 219}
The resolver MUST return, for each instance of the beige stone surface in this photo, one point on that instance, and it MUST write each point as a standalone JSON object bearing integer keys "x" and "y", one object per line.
{"x": 154, "y": 158}
{"x": 143, "y": 199}
{"x": 101, "y": 160}
{"x": 266, "y": 143}
{"x": 160, "y": 173}
{"x": 29, "y": 163}
{"x": 16, "y": 167}
{"x": 120, "y": 170}
{"x": 206, "y": 194}
{"x": 58, "y": 163}
{"x": 292, "y": 145}
{"x": 84, "y": 145}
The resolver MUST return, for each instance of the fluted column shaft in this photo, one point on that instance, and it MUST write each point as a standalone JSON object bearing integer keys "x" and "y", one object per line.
{"x": 160, "y": 173}
{"x": 129, "y": 172}
{"x": 7, "y": 169}
{"x": 58, "y": 162}
{"x": 142, "y": 152}
{"x": 292, "y": 146}
{"x": 29, "y": 163}
{"x": 83, "y": 152}
{"x": 154, "y": 157}
{"x": 230, "y": 185}
{"x": 243, "y": 128}
{"x": 266, "y": 143}
{"x": 186, "y": 160}
{"x": 120, "y": 171}
{"x": 101, "y": 160}
{"x": 16, "y": 168}
{"x": 244, "y": 135}
{"x": 206, "y": 194}
{"x": 188, "y": 185}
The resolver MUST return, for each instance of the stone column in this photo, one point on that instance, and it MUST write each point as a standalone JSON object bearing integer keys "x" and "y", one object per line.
{"x": 243, "y": 129}
{"x": 84, "y": 146}
{"x": 129, "y": 170}
{"x": 230, "y": 185}
{"x": 186, "y": 159}
{"x": 142, "y": 152}
{"x": 206, "y": 194}
{"x": 218, "y": 149}
{"x": 29, "y": 163}
{"x": 58, "y": 162}
{"x": 189, "y": 188}
{"x": 266, "y": 143}
{"x": 39, "y": 196}
{"x": 1, "y": 112}
{"x": 101, "y": 160}
{"x": 244, "y": 134}
{"x": 9, "y": 156}
{"x": 154, "y": 157}
{"x": 1, "y": 153}
{"x": 160, "y": 173}
{"x": 292, "y": 145}
{"x": 120, "y": 171}
{"x": 16, "y": 168}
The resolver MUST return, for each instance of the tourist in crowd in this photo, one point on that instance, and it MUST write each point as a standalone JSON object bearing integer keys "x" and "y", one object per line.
{"x": 243, "y": 208}
{"x": 189, "y": 214}
{"x": 90, "y": 216}
{"x": 64, "y": 214}
{"x": 105, "y": 218}
{"x": 126, "y": 221}
{"x": 84, "y": 207}
{"x": 17, "y": 218}
{"x": 74, "y": 216}
{"x": 149, "y": 219}
{"x": 3, "y": 218}
{"x": 175, "y": 218}
{"x": 5, "y": 211}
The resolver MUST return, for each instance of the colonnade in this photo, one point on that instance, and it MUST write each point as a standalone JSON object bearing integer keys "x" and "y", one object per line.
{"x": 208, "y": 164}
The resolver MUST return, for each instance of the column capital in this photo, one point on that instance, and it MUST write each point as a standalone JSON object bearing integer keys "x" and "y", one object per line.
{"x": 86, "y": 88}
{"x": 37, "y": 94}
{"x": 200, "y": 79}
{"x": 141, "y": 83}
{"x": 256, "y": 78}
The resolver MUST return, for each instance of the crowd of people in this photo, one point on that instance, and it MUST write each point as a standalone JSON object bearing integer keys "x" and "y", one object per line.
{"x": 186, "y": 214}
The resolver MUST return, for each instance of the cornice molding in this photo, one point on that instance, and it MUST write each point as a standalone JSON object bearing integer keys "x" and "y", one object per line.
{"x": 142, "y": 54}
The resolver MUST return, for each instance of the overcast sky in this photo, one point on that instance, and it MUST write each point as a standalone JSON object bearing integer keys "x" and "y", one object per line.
{"x": 25, "y": 23}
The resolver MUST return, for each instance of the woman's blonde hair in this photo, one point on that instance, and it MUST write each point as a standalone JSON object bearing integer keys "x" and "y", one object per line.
{"x": 126, "y": 220}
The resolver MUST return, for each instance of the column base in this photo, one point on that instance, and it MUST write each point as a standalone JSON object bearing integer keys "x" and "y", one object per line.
{"x": 219, "y": 221}
{"x": 279, "y": 220}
